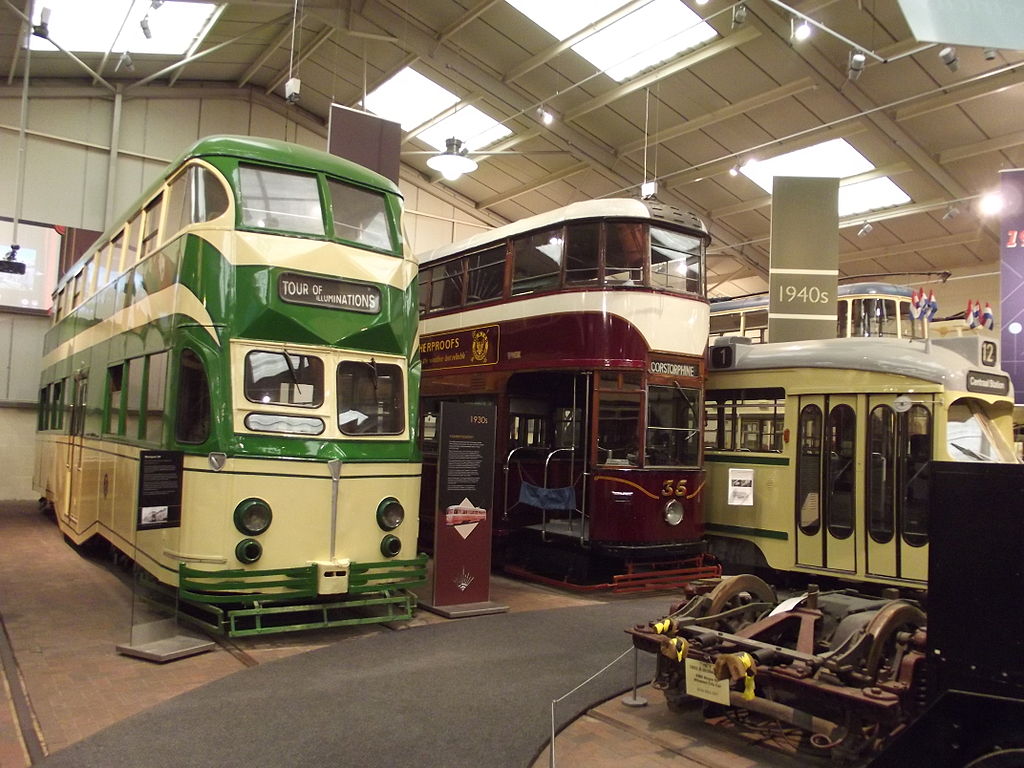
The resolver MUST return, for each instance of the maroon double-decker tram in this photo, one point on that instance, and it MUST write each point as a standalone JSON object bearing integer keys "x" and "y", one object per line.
{"x": 585, "y": 327}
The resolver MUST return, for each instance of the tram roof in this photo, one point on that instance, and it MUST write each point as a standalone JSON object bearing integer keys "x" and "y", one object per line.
{"x": 611, "y": 207}
{"x": 850, "y": 289}
{"x": 942, "y": 361}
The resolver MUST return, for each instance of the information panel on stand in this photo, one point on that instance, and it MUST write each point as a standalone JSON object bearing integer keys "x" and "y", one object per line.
{"x": 464, "y": 508}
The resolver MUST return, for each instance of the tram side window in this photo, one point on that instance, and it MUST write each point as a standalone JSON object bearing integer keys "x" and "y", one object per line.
{"x": 625, "y": 253}
{"x": 676, "y": 262}
{"x": 725, "y": 323}
{"x": 371, "y": 398}
{"x": 42, "y": 416}
{"x": 881, "y": 473}
{"x": 874, "y": 318}
{"x": 917, "y": 455}
{"x": 972, "y": 436}
{"x": 441, "y": 286}
{"x": 195, "y": 196}
{"x": 485, "y": 275}
{"x": 619, "y": 397}
{"x": 133, "y": 398}
{"x": 280, "y": 200}
{"x": 281, "y": 378}
{"x": 808, "y": 470}
{"x": 113, "y": 412}
{"x": 842, "y": 453}
{"x": 673, "y": 427}
{"x": 151, "y": 225}
{"x": 360, "y": 216}
{"x": 744, "y": 419}
{"x": 155, "y": 396}
{"x": 537, "y": 260}
{"x": 568, "y": 427}
{"x": 430, "y": 414}
{"x": 842, "y": 318}
{"x": 131, "y": 241}
{"x": 192, "y": 421}
{"x": 582, "y": 252}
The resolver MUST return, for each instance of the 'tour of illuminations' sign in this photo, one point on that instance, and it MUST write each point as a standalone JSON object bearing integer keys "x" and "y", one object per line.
{"x": 460, "y": 349}
{"x": 325, "y": 292}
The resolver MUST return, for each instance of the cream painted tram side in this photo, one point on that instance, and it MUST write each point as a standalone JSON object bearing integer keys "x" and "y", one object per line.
{"x": 817, "y": 452}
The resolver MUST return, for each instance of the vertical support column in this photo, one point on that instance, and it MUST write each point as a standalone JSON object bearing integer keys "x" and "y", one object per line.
{"x": 115, "y": 142}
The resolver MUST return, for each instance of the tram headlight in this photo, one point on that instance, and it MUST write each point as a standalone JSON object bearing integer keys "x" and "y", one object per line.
{"x": 390, "y": 545}
{"x": 253, "y": 517}
{"x": 673, "y": 512}
{"x": 390, "y": 514}
{"x": 248, "y": 551}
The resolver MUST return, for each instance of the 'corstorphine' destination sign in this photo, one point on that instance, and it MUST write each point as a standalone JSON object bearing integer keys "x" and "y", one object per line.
{"x": 325, "y": 292}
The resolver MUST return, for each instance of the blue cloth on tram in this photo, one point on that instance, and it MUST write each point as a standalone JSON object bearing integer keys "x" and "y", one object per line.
{"x": 547, "y": 498}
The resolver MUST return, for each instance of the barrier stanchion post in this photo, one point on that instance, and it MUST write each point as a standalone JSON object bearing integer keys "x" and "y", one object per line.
{"x": 634, "y": 700}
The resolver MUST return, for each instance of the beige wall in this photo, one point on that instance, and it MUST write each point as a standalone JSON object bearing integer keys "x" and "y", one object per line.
{"x": 21, "y": 340}
{"x": 67, "y": 161}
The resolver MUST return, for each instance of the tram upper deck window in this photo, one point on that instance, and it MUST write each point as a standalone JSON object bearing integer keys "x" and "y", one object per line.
{"x": 625, "y": 253}
{"x": 676, "y": 262}
{"x": 673, "y": 427}
{"x": 874, "y": 317}
{"x": 280, "y": 200}
{"x": 360, "y": 216}
{"x": 971, "y": 435}
{"x": 371, "y": 398}
{"x": 582, "y": 252}
{"x": 281, "y": 378}
{"x": 441, "y": 286}
{"x": 195, "y": 196}
{"x": 485, "y": 275}
{"x": 537, "y": 261}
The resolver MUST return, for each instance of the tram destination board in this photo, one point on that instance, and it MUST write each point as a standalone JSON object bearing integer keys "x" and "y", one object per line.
{"x": 326, "y": 292}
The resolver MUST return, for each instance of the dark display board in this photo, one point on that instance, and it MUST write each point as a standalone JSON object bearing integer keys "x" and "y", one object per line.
{"x": 160, "y": 474}
{"x": 366, "y": 139}
{"x": 1011, "y": 304}
{"x": 464, "y": 508}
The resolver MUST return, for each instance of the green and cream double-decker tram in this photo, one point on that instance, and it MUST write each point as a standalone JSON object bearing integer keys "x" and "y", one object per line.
{"x": 230, "y": 389}
{"x": 817, "y": 452}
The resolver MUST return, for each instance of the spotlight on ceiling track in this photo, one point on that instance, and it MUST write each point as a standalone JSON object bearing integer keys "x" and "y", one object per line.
{"x": 990, "y": 54}
{"x": 42, "y": 29}
{"x": 546, "y": 116}
{"x": 801, "y": 31}
{"x": 865, "y": 230}
{"x": 734, "y": 171}
{"x": 739, "y": 14}
{"x": 951, "y": 213}
{"x": 145, "y": 27}
{"x": 126, "y": 62}
{"x": 949, "y": 58}
{"x": 857, "y": 61}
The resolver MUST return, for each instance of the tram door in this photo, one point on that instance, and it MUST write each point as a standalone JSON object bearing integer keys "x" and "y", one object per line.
{"x": 826, "y": 473}
{"x": 898, "y": 449}
{"x": 72, "y": 476}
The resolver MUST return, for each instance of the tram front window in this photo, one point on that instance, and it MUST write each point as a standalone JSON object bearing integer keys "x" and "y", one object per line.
{"x": 281, "y": 378}
{"x": 676, "y": 261}
{"x": 971, "y": 435}
{"x": 282, "y": 200}
{"x": 673, "y": 427}
{"x": 371, "y": 398}
{"x": 625, "y": 253}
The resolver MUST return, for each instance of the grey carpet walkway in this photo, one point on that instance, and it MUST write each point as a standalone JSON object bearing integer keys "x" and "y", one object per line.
{"x": 471, "y": 692}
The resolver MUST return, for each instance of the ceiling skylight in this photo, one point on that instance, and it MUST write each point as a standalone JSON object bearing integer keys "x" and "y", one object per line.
{"x": 413, "y": 99}
{"x": 649, "y": 35}
{"x": 471, "y": 125}
{"x": 834, "y": 159}
{"x": 409, "y": 98}
{"x": 99, "y": 26}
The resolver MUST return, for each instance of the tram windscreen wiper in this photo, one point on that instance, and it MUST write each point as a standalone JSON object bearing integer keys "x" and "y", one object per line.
{"x": 973, "y": 454}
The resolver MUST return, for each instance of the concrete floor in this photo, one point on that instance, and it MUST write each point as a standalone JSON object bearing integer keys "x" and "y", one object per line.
{"x": 63, "y": 614}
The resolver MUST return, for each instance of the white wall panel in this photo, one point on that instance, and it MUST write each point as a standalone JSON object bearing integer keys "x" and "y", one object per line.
{"x": 172, "y": 126}
{"x": 264, "y": 122}
{"x": 18, "y": 425}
